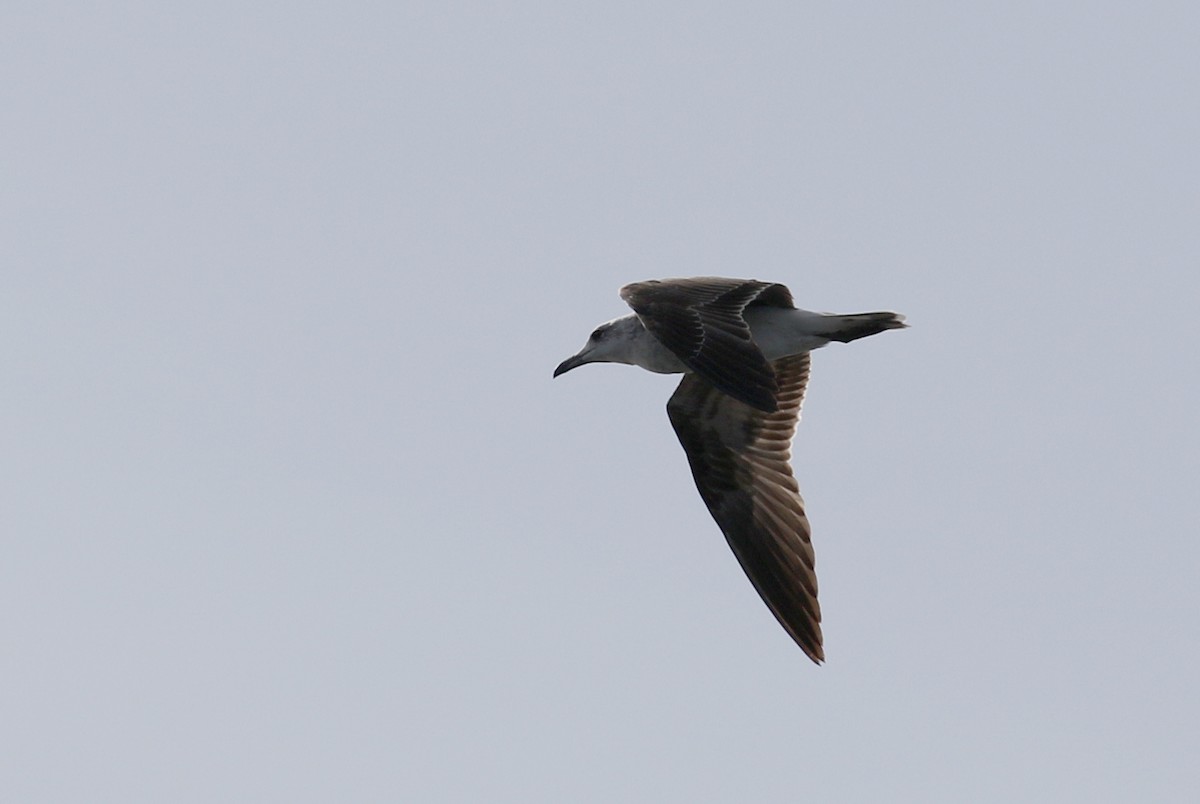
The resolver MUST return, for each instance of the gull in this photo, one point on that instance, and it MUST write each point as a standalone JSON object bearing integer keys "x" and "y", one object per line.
{"x": 743, "y": 348}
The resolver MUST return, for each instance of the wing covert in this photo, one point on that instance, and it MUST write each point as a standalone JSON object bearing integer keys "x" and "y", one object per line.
{"x": 700, "y": 321}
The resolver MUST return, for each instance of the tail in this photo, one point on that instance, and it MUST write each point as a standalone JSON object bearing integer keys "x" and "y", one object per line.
{"x": 846, "y": 328}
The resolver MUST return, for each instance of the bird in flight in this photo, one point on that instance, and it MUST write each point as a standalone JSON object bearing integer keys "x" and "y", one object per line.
{"x": 743, "y": 348}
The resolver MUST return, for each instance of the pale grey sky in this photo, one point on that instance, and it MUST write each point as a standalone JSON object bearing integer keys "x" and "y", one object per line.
{"x": 294, "y": 512}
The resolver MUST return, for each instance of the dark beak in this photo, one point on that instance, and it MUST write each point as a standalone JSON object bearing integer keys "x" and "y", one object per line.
{"x": 574, "y": 361}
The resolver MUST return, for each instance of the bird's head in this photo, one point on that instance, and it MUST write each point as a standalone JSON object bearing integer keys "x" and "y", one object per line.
{"x": 609, "y": 343}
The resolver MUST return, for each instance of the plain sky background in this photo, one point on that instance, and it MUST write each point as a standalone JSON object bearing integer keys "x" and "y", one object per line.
{"x": 292, "y": 510}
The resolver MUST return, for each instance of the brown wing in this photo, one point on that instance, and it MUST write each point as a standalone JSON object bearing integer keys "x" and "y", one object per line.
{"x": 700, "y": 321}
{"x": 739, "y": 457}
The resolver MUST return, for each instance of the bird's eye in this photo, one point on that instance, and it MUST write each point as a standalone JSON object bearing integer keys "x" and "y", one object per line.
{"x": 598, "y": 334}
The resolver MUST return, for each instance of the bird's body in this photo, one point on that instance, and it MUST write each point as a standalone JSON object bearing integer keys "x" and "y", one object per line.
{"x": 745, "y": 350}
{"x": 776, "y": 331}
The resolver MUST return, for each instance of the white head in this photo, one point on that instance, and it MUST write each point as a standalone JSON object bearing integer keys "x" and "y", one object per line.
{"x": 611, "y": 342}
